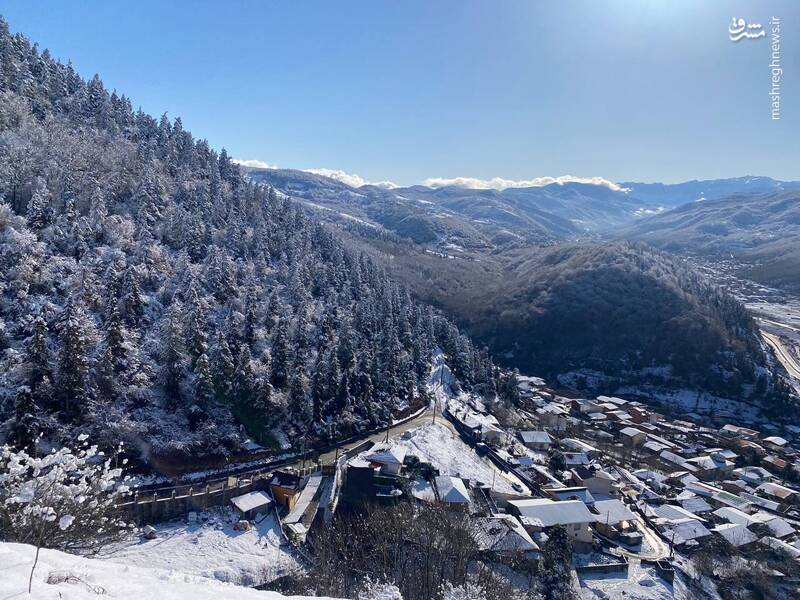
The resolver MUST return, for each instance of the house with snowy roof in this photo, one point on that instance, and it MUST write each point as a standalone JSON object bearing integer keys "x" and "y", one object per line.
{"x": 735, "y": 534}
{"x": 553, "y": 416}
{"x": 711, "y": 467}
{"x": 753, "y": 475}
{"x": 539, "y": 514}
{"x": 735, "y": 431}
{"x": 576, "y": 445}
{"x": 570, "y": 493}
{"x": 775, "y": 442}
{"x": 536, "y": 440}
{"x": 595, "y": 479}
{"x": 613, "y": 518}
{"x": 786, "y": 496}
{"x": 452, "y": 491}
{"x": 389, "y": 457}
{"x": 632, "y": 437}
{"x": 503, "y": 536}
{"x": 684, "y": 533}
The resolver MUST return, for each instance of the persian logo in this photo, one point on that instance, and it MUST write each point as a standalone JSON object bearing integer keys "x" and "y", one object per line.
{"x": 740, "y": 29}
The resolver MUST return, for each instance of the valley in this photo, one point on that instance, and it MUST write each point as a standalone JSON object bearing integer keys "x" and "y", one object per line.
{"x": 224, "y": 378}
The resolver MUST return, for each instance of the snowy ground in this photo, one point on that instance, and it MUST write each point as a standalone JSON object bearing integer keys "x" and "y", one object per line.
{"x": 641, "y": 583}
{"x": 211, "y": 548}
{"x": 437, "y": 444}
{"x": 60, "y": 575}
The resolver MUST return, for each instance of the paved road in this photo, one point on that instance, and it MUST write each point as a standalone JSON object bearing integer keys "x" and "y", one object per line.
{"x": 784, "y": 355}
{"x": 424, "y": 418}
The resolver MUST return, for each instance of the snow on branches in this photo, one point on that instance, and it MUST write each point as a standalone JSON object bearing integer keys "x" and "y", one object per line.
{"x": 65, "y": 499}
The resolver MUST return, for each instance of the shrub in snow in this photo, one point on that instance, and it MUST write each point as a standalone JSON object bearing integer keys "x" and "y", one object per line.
{"x": 373, "y": 590}
{"x": 462, "y": 592}
{"x": 65, "y": 499}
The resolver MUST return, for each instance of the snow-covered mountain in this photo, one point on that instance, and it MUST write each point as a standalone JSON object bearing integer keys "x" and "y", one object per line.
{"x": 455, "y": 215}
{"x": 466, "y": 217}
{"x": 672, "y": 195}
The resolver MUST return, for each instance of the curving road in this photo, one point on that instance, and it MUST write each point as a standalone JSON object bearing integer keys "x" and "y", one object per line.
{"x": 784, "y": 356}
{"x": 659, "y": 549}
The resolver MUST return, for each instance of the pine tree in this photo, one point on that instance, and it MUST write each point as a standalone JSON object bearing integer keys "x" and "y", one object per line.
{"x": 73, "y": 363}
{"x": 37, "y": 356}
{"x": 243, "y": 379}
{"x": 263, "y": 400}
{"x": 132, "y": 303}
{"x": 38, "y": 214}
{"x": 204, "y": 381}
{"x": 115, "y": 339}
{"x": 172, "y": 356}
{"x": 106, "y": 375}
{"x": 98, "y": 213}
{"x": 250, "y": 318}
{"x": 223, "y": 369}
{"x": 23, "y": 431}
{"x": 280, "y": 356}
{"x": 196, "y": 324}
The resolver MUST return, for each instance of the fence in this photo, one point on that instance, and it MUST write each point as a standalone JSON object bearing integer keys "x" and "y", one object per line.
{"x": 164, "y": 504}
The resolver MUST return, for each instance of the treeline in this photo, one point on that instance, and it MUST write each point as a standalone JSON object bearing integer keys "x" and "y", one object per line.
{"x": 149, "y": 293}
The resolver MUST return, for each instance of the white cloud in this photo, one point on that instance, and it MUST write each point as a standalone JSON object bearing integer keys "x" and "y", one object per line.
{"x": 350, "y": 179}
{"x": 498, "y": 183}
{"x": 255, "y": 164}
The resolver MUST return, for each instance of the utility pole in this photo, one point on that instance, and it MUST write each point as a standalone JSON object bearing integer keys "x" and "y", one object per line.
{"x": 333, "y": 436}
{"x": 672, "y": 544}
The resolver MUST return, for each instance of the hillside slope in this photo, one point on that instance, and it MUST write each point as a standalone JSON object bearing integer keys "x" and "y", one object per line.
{"x": 623, "y": 310}
{"x": 61, "y": 575}
{"x": 632, "y": 314}
{"x": 148, "y": 293}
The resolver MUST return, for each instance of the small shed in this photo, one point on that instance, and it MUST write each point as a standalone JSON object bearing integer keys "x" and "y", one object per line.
{"x": 252, "y": 503}
{"x": 285, "y": 486}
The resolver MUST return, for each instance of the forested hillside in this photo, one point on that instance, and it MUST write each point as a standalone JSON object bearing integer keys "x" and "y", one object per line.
{"x": 148, "y": 293}
{"x": 625, "y": 310}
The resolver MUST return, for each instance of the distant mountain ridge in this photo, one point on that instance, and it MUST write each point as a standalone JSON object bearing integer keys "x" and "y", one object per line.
{"x": 676, "y": 194}
{"x": 762, "y": 229}
{"x": 460, "y": 217}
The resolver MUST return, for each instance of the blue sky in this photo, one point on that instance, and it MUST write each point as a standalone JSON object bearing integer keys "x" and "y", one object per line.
{"x": 647, "y": 90}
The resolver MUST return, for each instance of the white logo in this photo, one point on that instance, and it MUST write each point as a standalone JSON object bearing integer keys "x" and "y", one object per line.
{"x": 740, "y": 29}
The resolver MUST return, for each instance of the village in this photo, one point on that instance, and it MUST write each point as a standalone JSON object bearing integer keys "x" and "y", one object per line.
{"x": 640, "y": 496}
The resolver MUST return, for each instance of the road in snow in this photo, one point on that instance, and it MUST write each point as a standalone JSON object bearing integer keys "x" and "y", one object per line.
{"x": 784, "y": 355}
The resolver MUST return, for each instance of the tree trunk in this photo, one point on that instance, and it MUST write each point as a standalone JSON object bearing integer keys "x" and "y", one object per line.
{"x": 33, "y": 568}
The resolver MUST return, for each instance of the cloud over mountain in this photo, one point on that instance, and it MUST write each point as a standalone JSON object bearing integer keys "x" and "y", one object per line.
{"x": 498, "y": 183}
{"x": 350, "y": 179}
{"x": 254, "y": 164}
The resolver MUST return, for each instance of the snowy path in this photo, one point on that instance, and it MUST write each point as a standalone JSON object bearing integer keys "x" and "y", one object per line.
{"x": 658, "y": 549}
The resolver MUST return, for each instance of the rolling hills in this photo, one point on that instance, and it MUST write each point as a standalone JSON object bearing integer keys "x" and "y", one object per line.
{"x": 761, "y": 230}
